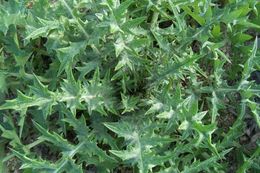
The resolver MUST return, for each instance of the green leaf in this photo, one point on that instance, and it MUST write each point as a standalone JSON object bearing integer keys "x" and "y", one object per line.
{"x": 119, "y": 11}
{"x": 35, "y": 164}
{"x": 140, "y": 144}
{"x": 132, "y": 23}
{"x": 11, "y": 19}
{"x": 2, "y": 82}
{"x": 247, "y": 68}
{"x": 216, "y": 32}
{"x": 66, "y": 55}
{"x": 241, "y": 38}
{"x": 55, "y": 139}
{"x": 233, "y": 15}
{"x": 43, "y": 31}
{"x": 21, "y": 103}
{"x": 72, "y": 93}
{"x": 161, "y": 41}
{"x": 88, "y": 67}
{"x": 248, "y": 24}
{"x": 119, "y": 46}
{"x": 195, "y": 16}
{"x": 197, "y": 166}
{"x": 129, "y": 103}
{"x": 128, "y": 86}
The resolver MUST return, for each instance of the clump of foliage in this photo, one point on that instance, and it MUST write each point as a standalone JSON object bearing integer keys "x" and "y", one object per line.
{"x": 129, "y": 86}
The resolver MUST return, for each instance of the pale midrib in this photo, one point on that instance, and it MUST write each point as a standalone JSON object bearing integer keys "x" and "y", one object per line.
{"x": 140, "y": 152}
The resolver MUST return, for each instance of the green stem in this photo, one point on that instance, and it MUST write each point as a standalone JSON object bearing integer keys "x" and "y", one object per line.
{"x": 154, "y": 19}
{"x": 176, "y": 15}
{"x": 225, "y": 90}
{"x": 81, "y": 27}
{"x": 37, "y": 142}
{"x": 76, "y": 19}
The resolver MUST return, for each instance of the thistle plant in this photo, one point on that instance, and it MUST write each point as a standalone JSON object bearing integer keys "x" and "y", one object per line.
{"x": 129, "y": 86}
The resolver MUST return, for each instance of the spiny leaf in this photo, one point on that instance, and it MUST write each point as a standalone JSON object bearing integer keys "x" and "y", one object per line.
{"x": 35, "y": 164}
{"x": 67, "y": 54}
{"x": 54, "y": 138}
{"x": 141, "y": 144}
{"x": 198, "y": 166}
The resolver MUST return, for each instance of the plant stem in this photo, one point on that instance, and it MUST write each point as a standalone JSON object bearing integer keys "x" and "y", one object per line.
{"x": 154, "y": 19}
{"x": 81, "y": 27}
{"x": 77, "y": 20}
{"x": 225, "y": 90}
